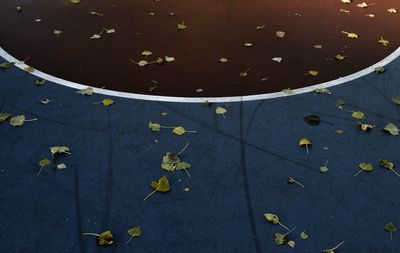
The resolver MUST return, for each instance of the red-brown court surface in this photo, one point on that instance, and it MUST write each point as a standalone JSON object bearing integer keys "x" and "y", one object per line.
{"x": 215, "y": 29}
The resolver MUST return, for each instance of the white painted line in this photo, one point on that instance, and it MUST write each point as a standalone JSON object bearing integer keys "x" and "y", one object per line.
{"x": 78, "y": 86}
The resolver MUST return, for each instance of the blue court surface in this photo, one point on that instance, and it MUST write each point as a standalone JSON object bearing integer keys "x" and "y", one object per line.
{"x": 240, "y": 164}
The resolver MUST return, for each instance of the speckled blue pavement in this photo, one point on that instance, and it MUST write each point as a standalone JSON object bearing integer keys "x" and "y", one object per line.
{"x": 240, "y": 165}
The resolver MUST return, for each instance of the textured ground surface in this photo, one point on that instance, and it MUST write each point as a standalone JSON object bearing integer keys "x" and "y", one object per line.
{"x": 215, "y": 29}
{"x": 240, "y": 164}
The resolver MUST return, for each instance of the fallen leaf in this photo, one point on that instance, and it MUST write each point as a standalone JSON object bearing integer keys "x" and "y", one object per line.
{"x": 388, "y": 165}
{"x": 366, "y": 127}
{"x": 45, "y": 101}
{"x": 260, "y": 27}
{"x": 291, "y": 180}
{"x": 179, "y": 130}
{"x": 344, "y": 10}
{"x": 4, "y": 116}
{"x": 135, "y": 232}
{"x": 280, "y": 34}
{"x": 396, "y": 100}
{"x": 274, "y": 219}
{"x": 391, "y": 228}
{"x": 332, "y": 250}
{"x": 29, "y": 69}
{"x": 40, "y": 81}
{"x": 317, "y": 46}
{"x": 358, "y": 115}
{"x": 95, "y": 36}
{"x": 155, "y": 127}
{"x": 322, "y": 91}
{"x": 287, "y": 92}
{"x": 162, "y": 185}
{"x": 57, "y": 32}
{"x": 313, "y": 72}
{"x": 304, "y": 235}
{"x": 392, "y": 129}
{"x": 351, "y": 35}
{"x": 17, "y": 120}
{"x": 363, "y": 5}
{"x": 291, "y": 243}
{"x": 43, "y": 163}
{"x": 6, "y": 65}
{"x": 75, "y": 1}
{"x": 379, "y": 70}
{"x": 223, "y": 60}
{"x": 248, "y": 44}
{"x": 61, "y": 166}
{"x": 312, "y": 119}
{"x": 87, "y": 91}
{"x": 107, "y": 102}
{"x": 304, "y": 142}
{"x": 392, "y": 10}
{"x": 340, "y": 57}
{"x": 146, "y": 53}
{"x": 169, "y": 58}
{"x": 59, "y": 150}
{"x": 277, "y": 59}
{"x": 181, "y": 26}
{"x": 220, "y": 110}
{"x": 370, "y": 15}
{"x": 383, "y": 41}
{"x": 105, "y": 239}
{"x": 346, "y": 1}
{"x": 368, "y": 167}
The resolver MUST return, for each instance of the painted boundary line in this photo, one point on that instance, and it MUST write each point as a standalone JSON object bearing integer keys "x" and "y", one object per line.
{"x": 78, "y": 86}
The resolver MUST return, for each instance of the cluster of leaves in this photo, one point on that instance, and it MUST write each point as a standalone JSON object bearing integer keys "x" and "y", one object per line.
{"x": 16, "y": 121}
{"x": 56, "y": 152}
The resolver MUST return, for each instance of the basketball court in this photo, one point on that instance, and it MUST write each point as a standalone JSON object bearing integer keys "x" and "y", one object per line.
{"x": 248, "y": 108}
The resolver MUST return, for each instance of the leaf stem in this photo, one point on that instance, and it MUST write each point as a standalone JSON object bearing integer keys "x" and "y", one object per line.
{"x": 298, "y": 183}
{"x": 148, "y": 196}
{"x": 94, "y": 234}
{"x": 290, "y": 231}
{"x": 337, "y": 246}
{"x": 283, "y": 226}
{"x": 180, "y": 152}
{"x": 307, "y": 148}
{"x": 395, "y": 172}
{"x": 187, "y": 172}
{"x": 40, "y": 171}
{"x": 27, "y": 120}
{"x": 358, "y": 172}
{"x": 129, "y": 240}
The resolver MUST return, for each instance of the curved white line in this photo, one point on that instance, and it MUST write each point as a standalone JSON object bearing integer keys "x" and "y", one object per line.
{"x": 328, "y": 84}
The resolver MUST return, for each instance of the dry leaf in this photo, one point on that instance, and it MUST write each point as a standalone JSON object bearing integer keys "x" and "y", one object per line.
{"x": 220, "y": 110}
{"x": 87, "y": 91}
{"x": 351, "y": 35}
{"x": 6, "y": 65}
{"x": 280, "y": 34}
{"x": 4, "y": 116}
{"x": 383, "y": 41}
{"x": 107, "y": 101}
{"x": 181, "y": 26}
{"x": 392, "y": 129}
{"x": 358, "y": 115}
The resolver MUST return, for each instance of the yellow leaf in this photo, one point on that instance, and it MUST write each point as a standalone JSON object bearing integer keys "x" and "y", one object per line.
{"x": 287, "y": 91}
{"x": 182, "y": 26}
{"x": 179, "y": 130}
{"x": 383, "y": 41}
{"x": 107, "y": 101}
{"x": 75, "y": 1}
{"x": 392, "y": 10}
{"x": 351, "y": 35}
{"x": 146, "y": 53}
{"x": 220, "y": 110}
{"x": 162, "y": 185}
{"x": 358, "y": 115}
{"x": 135, "y": 232}
{"x": 280, "y": 34}
{"x": 318, "y": 46}
{"x": 366, "y": 127}
{"x": 291, "y": 243}
{"x": 304, "y": 142}
{"x": 313, "y": 72}
{"x": 29, "y": 69}
{"x": 340, "y": 57}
